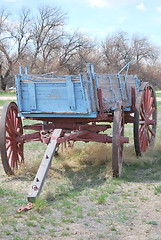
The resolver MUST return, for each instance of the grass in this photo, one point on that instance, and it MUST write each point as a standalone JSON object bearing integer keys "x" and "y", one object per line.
{"x": 2, "y": 102}
{"x": 80, "y": 194}
{"x": 152, "y": 223}
{"x": 8, "y": 93}
{"x": 158, "y": 93}
{"x": 102, "y": 198}
{"x": 157, "y": 189}
{"x": 40, "y": 205}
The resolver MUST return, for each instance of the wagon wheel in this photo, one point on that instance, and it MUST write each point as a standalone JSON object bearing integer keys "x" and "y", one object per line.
{"x": 10, "y": 129}
{"x": 145, "y": 120}
{"x": 117, "y": 141}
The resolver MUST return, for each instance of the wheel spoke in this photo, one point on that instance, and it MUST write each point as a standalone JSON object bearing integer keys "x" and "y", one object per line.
{"x": 148, "y": 137}
{"x": 142, "y": 137}
{"x": 146, "y": 99}
{"x": 141, "y": 130}
{"x": 13, "y": 160}
{"x": 8, "y": 138}
{"x": 14, "y": 118}
{"x": 8, "y": 130}
{"x": 9, "y": 152}
{"x": 10, "y": 125}
{"x": 9, "y": 143}
{"x": 10, "y": 159}
{"x": 142, "y": 114}
{"x": 150, "y": 103}
{"x": 151, "y": 112}
{"x": 151, "y": 131}
{"x": 10, "y": 118}
{"x": 143, "y": 142}
{"x": 20, "y": 153}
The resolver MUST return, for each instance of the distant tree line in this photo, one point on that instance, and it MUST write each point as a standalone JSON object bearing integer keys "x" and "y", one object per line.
{"x": 39, "y": 40}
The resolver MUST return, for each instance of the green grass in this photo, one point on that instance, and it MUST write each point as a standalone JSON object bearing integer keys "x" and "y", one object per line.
{"x": 30, "y": 224}
{"x": 152, "y": 223}
{"x": 102, "y": 198}
{"x": 7, "y": 192}
{"x": 101, "y": 236}
{"x": 158, "y": 93}
{"x": 40, "y": 204}
{"x": 7, "y": 93}
{"x": 157, "y": 189}
{"x": 158, "y": 103}
{"x": 2, "y": 102}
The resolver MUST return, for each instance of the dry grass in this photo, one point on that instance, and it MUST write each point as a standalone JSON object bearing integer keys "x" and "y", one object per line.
{"x": 98, "y": 154}
{"x": 95, "y": 154}
{"x": 150, "y": 156}
{"x": 33, "y": 153}
{"x": 90, "y": 154}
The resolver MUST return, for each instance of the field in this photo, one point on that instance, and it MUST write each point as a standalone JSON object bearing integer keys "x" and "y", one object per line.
{"x": 80, "y": 199}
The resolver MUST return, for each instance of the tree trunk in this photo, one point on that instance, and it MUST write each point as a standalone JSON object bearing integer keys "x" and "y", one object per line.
{"x": 3, "y": 84}
{"x": 4, "y": 79}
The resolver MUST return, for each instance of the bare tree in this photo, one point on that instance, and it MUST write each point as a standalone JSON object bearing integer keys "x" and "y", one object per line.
{"x": 74, "y": 52}
{"x": 116, "y": 51}
{"x": 46, "y": 34}
{"x": 5, "y": 62}
{"x": 21, "y": 34}
{"x": 119, "y": 49}
{"x": 29, "y": 41}
{"x": 143, "y": 52}
{"x": 14, "y": 39}
{"x": 142, "y": 49}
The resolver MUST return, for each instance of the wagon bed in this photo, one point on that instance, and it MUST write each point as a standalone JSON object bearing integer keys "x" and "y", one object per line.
{"x": 72, "y": 96}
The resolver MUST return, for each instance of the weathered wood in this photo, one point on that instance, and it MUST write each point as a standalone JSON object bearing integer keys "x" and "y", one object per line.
{"x": 44, "y": 167}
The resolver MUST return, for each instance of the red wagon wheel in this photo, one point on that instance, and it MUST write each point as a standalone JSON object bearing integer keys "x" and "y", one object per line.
{"x": 145, "y": 120}
{"x": 117, "y": 141}
{"x": 10, "y": 130}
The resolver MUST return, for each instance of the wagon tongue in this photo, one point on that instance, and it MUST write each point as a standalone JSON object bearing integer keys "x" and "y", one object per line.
{"x": 44, "y": 167}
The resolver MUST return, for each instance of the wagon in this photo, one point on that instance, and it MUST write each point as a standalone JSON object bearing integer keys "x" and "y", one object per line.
{"x": 73, "y": 108}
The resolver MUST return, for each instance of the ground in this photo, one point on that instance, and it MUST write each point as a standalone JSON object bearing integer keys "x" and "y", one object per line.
{"x": 80, "y": 200}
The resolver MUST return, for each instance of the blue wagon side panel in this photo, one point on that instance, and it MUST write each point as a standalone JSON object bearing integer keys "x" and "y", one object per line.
{"x": 50, "y": 98}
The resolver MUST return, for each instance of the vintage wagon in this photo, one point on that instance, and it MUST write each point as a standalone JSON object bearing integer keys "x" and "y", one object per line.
{"x": 76, "y": 108}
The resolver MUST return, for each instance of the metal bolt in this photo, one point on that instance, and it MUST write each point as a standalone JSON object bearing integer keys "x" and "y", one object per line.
{"x": 35, "y": 188}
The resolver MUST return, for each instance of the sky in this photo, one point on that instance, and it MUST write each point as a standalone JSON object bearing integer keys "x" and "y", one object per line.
{"x": 99, "y": 18}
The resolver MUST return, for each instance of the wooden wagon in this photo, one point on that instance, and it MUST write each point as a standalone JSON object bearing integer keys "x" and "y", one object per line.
{"x": 76, "y": 108}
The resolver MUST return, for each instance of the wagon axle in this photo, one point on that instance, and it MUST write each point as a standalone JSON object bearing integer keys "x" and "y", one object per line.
{"x": 82, "y": 135}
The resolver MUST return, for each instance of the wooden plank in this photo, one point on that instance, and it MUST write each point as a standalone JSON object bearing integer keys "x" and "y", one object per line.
{"x": 70, "y": 93}
{"x": 32, "y": 95}
{"x": 38, "y": 182}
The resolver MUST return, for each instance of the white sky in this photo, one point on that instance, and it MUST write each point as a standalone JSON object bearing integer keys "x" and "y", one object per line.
{"x": 98, "y": 18}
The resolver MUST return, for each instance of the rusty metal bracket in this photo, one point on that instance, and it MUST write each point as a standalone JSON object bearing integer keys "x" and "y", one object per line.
{"x": 25, "y": 208}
